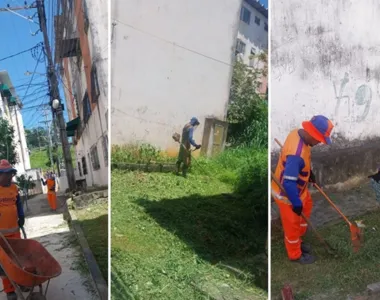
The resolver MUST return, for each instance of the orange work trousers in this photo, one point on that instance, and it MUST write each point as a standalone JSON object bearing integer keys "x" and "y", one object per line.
{"x": 52, "y": 199}
{"x": 8, "y": 287}
{"x": 294, "y": 226}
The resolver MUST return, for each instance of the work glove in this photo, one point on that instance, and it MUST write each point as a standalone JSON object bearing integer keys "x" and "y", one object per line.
{"x": 312, "y": 177}
{"x": 21, "y": 222}
{"x": 198, "y": 147}
{"x": 297, "y": 210}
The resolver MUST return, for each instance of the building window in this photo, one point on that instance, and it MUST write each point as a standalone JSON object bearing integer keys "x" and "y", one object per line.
{"x": 84, "y": 164}
{"x": 86, "y": 108}
{"x": 80, "y": 169}
{"x": 265, "y": 26}
{"x": 245, "y": 15}
{"x": 257, "y": 20}
{"x": 95, "y": 90}
{"x": 240, "y": 47}
{"x": 105, "y": 149}
{"x": 95, "y": 158}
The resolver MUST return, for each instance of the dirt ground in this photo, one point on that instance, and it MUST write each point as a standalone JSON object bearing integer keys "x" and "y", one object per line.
{"x": 52, "y": 231}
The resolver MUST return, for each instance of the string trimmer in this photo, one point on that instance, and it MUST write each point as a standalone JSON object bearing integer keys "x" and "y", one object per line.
{"x": 356, "y": 234}
{"x": 177, "y": 138}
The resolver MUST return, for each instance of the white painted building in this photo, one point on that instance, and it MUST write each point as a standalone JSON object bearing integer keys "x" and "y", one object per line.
{"x": 10, "y": 107}
{"x": 325, "y": 60}
{"x": 252, "y": 38}
{"x": 82, "y": 52}
{"x": 171, "y": 60}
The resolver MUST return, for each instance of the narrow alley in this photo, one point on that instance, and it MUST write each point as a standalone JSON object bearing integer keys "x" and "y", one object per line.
{"x": 52, "y": 231}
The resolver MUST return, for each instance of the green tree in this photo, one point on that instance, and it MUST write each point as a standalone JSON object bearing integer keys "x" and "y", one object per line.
{"x": 248, "y": 111}
{"x": 25, "y": 183}
{"x": 7, "y": 144}
{"x": 36, "y": 137}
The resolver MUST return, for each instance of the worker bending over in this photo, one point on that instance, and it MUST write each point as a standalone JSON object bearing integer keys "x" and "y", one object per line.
{"x": 184, "y": 156}
{"x": 12, "y": 216}
{"x": 51, "y": 194}
{"x": 294, "y": 172}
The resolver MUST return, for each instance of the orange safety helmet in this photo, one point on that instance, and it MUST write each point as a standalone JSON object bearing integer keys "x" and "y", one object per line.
{"x": 319, "y": 127}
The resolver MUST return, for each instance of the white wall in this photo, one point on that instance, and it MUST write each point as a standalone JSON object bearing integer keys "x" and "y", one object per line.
{"x": 314, "y": 44}
{"x": 253, "y": 35}
{"x": 162, "y": 71}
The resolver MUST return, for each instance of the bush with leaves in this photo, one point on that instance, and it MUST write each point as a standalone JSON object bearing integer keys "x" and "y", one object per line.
{"x": 248, "y": 111}
{"x": 7, "y": 143}
{"x": 25, "y": 183}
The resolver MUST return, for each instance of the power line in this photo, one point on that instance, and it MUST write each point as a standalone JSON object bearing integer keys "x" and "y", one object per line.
{"x": 176, "y": 45}
{"x": 34, "y": 72}
{"x": 19, "y": 53}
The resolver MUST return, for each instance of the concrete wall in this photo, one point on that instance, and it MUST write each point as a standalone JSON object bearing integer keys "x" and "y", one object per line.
{"x": 325, "y": 60}
{"x": 171, "y": 60}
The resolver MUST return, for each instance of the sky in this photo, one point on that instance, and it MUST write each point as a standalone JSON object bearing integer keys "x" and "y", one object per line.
{"x": 17, "y": 35}
{"x": 264, "y": 2}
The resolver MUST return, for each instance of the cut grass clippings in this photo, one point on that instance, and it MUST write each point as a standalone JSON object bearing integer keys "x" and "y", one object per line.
{"x": 94, "y": 222}
{"x": 169, "y": 235}
{"x": 332, "y": 277}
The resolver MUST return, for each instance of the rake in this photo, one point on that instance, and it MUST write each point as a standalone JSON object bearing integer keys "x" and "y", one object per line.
{"x": 356, "y": 233}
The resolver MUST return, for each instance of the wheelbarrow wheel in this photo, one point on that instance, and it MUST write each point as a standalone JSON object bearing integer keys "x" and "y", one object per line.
{"x": 36, "y": 296}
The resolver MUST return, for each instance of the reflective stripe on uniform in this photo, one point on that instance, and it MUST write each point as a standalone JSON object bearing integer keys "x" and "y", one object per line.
{"x": 292, "y": 241}
{"x": 292, "y": 178}
{"x": 304, "y": 225}
{"x": 9, "y": 230}
{"x": 280, "y": 198}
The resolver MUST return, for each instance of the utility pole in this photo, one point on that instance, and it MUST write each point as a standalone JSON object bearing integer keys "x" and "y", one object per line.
{"x": 46, "y": 122}
{"x": 54, "y": 95}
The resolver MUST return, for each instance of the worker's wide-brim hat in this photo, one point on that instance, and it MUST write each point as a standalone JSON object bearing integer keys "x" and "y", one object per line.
{"x": 319, "y": 127}
{"x": 5, "y": 167}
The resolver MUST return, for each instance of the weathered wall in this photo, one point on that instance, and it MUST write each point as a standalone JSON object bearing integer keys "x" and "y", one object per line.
{"x": 171, "y": 61}
{"x": 326, "y": 60}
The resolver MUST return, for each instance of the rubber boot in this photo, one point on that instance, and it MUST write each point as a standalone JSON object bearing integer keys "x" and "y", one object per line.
{"x": 184, "y": 172}
{"x": 178, "y": 163}
{"x": 305, "y": 259}
{"x": 305, "y": 248}
{"x": 12, "y": 296}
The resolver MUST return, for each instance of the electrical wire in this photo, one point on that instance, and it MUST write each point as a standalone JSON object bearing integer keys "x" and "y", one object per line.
{"x": 19, "y": 53}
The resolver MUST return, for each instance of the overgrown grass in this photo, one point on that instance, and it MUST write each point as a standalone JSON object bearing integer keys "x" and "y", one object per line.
{"x": 38, "y": 159}
{"x": 170, "y": 234}
{"x": 333, "y": 277}
{"x": 140, "y": 154}
{"x": 94, "y": 222}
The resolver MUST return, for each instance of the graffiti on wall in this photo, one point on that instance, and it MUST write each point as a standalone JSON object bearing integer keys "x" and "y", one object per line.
{"x": 357, "y": 105}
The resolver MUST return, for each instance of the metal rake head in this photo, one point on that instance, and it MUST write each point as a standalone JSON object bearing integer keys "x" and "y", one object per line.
{"x": 356, "y": 238}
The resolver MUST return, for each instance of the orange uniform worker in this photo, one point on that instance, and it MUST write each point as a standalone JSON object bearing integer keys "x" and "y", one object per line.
{"x": 12, "y": 216}
{"x": 294, "y": 172}
{"x": 51, "y": 195}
